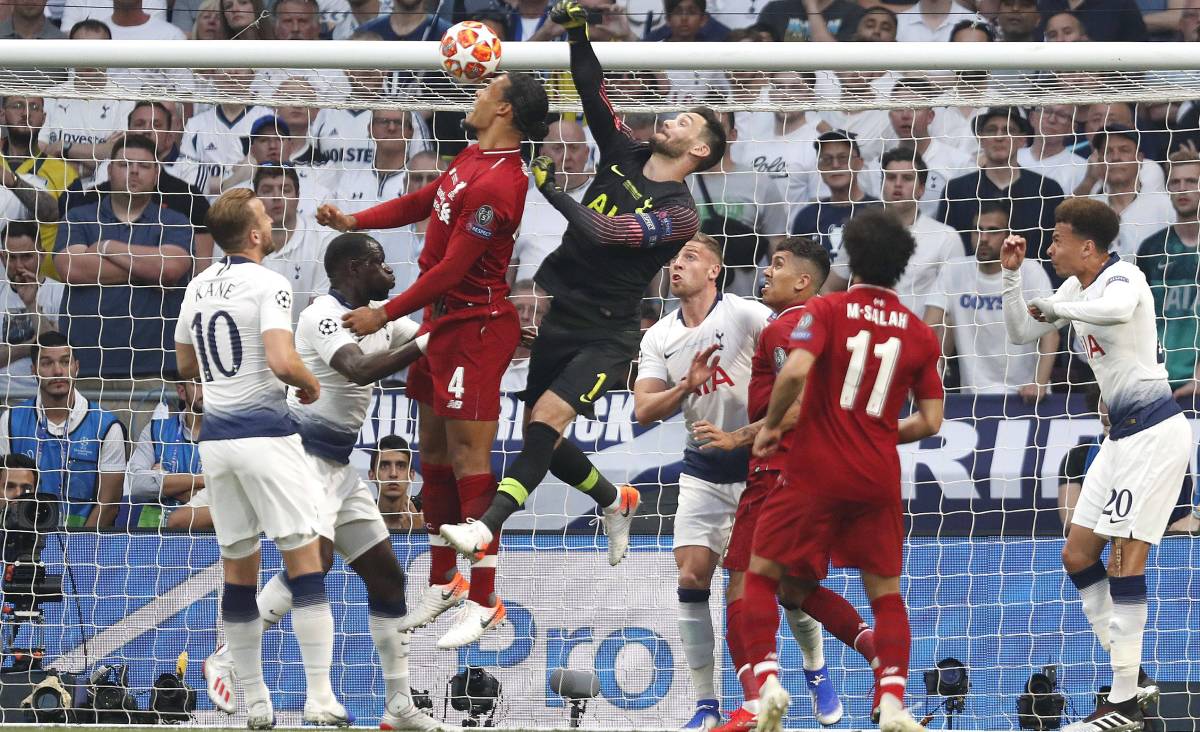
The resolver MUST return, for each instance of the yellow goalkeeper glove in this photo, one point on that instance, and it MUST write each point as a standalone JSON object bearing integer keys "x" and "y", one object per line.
{"x": 569, "y": 14}
{"x": 543, "y": 174}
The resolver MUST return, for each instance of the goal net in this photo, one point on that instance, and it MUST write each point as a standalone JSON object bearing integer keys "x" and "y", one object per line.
{"x": 116, "y": 150}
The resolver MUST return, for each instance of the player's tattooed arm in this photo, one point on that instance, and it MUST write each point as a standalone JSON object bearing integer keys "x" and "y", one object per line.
{"x": 712, "y": 437}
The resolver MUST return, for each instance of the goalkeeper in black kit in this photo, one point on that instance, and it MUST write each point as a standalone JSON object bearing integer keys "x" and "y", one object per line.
{"x": 636, "y": 215}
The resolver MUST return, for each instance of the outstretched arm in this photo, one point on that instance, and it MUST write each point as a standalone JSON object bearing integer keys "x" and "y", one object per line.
{"x": 402, "y": 211}
{"x": 606, "y": 126}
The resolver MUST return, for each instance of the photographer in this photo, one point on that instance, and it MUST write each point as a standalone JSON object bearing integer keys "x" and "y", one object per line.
{"x": 19, "y": 478}
{"x": 164, "y": 472}
{"x": 78, "y": 447}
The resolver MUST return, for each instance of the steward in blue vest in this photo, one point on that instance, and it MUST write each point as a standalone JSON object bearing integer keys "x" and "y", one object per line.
{"x": 79, "y": 447}
{"x": 164, "y": 472}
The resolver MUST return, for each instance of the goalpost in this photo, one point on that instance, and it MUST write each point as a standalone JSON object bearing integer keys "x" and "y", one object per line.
{"x": 983, "y": 578}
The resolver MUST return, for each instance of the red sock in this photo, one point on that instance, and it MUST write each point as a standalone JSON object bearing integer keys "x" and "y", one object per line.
{"x": 475, "y": 493}
{"x": 893, "y": 641}
{"x": 733, "y": 637}
{"x": 439, "y": 504}
{"x": 760, "y": 624}
{"x": 841, "y": 619}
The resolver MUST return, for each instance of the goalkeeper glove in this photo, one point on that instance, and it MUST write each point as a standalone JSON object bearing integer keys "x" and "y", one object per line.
{"x": 543, "y": 175}
{"x": 571, "y": 16}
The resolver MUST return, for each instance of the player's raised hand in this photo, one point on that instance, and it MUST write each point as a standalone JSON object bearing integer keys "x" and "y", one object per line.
{"x": 766, "y": 442}
{"x": 701, "y": 370}
{"x": 569, "y": 14}
{"x": 528, "y": 335}
{"x": 364, "y": 321}
{"x": 331, "y": 216}
{"x": 712, "y": 437}
{"x": 1012, "y": 252}
{"x": 543, "y": 170}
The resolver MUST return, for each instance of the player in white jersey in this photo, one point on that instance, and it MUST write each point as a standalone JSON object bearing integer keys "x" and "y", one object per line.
{"x": 347, "y": 368}
{"x": 1131, "y": 486}
{"x": 698, "y": 359}
{"x": 235, "y": 333}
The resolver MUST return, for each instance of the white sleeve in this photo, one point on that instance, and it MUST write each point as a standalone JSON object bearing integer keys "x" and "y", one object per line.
{"x": 1021, "y": 326}
{"x": 112, "y": 450}
{"x": 323, "y": 332}
{"x": 143, "y": 481}
{"x": 403, "y": 330}
{"x": 652, "y": 363}
{"x": 275, "y": 304}
{"x": 183, "y": 324}
{"x": 1116, "y": 304}
{"x": 1036, "y": 283}
{"x": 755, "y": 317}
{"x": 940, "y": 297}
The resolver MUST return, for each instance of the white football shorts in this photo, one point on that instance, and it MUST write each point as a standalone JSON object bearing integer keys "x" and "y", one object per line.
{"x": 1132, "y": 486}
{"x": 705, "y": 513}
{"x": 350, "y": 516}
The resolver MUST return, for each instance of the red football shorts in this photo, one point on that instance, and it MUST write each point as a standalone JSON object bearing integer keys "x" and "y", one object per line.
{"x": 741, "y": 542}
{"x": 467, "y": 355}
{"x": 805, "y": 530}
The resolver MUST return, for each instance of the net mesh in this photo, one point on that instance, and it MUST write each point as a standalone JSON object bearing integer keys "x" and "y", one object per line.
{"x": 983, "y": 577}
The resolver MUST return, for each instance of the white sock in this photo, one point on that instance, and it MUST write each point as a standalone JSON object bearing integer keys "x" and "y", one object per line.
{"x": 808, "y": 634}
{"x": 274, "y": 600}
{"x": 245, "y": 646}
{"x": 698, "y": 640}
{"x": 313, "y": 624}
{"x": 392, "y": 646}
{"x": 1127, "y": 627}
{"x": 1092, "y": 584}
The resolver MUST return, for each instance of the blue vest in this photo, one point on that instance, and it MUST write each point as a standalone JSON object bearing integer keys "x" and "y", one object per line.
{"x": 172, "y": 448}
{"x": 72, "y": 461}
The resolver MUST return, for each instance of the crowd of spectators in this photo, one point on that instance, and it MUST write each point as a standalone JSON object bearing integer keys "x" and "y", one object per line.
{"x": 103, "y": 199}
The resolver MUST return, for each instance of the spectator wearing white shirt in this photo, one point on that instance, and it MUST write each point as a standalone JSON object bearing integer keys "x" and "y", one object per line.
{"x": 542, "y": 226}
{"x": 74, "y": 11}
{"x": 904, "y": 176}
{"x": 1099, "y": 116}
{"x": 383, "y": 180}
{"x": 82, "y": 131}
{"x": 1048, "y": 155}
{"x": 216, "y": 140}
{"x": 911, "y": 127}
{"x": 299, "y": 251}
{"x": 1142, "y": 212}
{"x": 966, "y": 310}
{"x": 780, "y": 144}
{"x": 931, "y": 20}
{"x": 30, "y": 303}
{"x": 531, "y": 303}
{"x": 743, "y": 208}
{"x": 270, "y": 142}
{"x": 130, "y": 22}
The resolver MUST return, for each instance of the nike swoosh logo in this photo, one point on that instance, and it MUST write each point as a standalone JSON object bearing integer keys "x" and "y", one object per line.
{"x": 447, "y": 595}
{"x": 616, "y": 170}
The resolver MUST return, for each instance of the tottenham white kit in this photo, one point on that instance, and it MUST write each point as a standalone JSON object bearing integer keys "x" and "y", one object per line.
{"x": 329, "y": 427}
{"x": 256, "y": 472}
{"x": 712, "y": 481}
{"x": 1133, "y": 484}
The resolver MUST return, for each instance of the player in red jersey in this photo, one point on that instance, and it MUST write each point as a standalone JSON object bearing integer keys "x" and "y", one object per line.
{"x": 797, "y": 270}
{"x": 857, "y": 356}
{"x": 474, "y": 209}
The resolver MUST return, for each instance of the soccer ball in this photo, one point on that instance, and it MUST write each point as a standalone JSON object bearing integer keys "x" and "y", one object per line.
{"x": 470, "y": 51}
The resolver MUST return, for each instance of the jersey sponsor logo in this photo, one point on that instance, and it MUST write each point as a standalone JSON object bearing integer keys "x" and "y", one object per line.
{"x": 327, "y": 327}
{"x": 1094, "y": 348}
{"x": 454, "y": 404}
{"x": 283, "y": 299}
{"x": 719, "y": 378}
{"x": 780, "y": 357}
{"x": 616, "y": 170}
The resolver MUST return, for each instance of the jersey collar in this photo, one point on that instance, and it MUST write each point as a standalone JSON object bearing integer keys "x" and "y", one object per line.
{"x": 873, "y": 287}
{"x": 340, "y": 298}
{"x": 235, "y": 259}
{"x": 785, "y": 311}
{"x": 679, "y": 312}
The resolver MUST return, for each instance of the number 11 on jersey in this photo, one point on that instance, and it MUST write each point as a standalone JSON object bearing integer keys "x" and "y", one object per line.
{"x": 888, "y": 354}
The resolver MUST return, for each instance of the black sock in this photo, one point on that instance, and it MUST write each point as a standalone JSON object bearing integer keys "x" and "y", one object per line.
{"x": 572, "y": 467}
{"x": 526, "y": 473}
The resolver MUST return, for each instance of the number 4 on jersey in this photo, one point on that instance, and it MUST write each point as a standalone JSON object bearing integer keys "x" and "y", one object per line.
{"x": 888, "y": 353}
